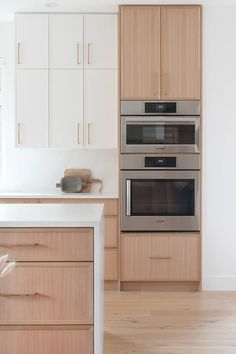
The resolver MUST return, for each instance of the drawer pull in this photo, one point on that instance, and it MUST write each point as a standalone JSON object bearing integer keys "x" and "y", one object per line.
{"x": 22, "y": 245}
{"x": 167, "y": 258}
{"x": 20, "y": 295}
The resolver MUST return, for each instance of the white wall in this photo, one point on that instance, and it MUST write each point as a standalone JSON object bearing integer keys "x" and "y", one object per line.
{"x": 40, "y": 169}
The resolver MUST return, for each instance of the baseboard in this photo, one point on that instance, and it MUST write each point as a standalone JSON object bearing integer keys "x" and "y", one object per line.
{"x": 160, "y": 286}
{"x": 214, "y": 283}
{"x": 111, "y": 285}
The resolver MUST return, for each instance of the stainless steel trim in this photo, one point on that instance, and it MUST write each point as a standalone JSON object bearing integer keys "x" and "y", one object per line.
{"x": 146, "y": 148}
{"x": 128, "y": 191}
{"x": 18, "y": 133}
{"x": 182, "y": 108}
{"x": 163, "y": 223}
{"x": 137, "y": 162}
{"x": 78, "y": 53}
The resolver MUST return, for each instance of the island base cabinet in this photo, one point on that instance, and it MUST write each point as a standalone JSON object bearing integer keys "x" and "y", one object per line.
{"x": 46, "y": 340}
{"x": 45, "y": 293}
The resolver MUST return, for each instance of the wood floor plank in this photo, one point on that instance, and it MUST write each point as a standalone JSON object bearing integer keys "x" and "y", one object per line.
{"x": 170, "y": 323}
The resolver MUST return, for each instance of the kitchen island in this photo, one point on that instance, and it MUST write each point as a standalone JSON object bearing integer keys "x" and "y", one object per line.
{"x": 52, "y": 302}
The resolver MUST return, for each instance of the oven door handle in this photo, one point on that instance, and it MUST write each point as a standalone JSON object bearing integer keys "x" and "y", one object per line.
{"x": 128, "y": 197}
{"x": 162, "y": 120}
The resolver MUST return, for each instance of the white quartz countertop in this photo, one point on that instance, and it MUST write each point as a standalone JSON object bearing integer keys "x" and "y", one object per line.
{"x": 50, "y": 215}
{"x": 58, "y": 194}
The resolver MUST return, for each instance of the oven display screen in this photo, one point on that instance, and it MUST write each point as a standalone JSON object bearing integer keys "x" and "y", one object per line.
{"x": 160, "y": 161}
{"x": 160, "y": 107}
{"x": 162, "y": 197}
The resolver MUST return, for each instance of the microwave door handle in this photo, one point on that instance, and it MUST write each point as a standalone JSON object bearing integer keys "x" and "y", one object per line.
{"x": 128, "y": 201}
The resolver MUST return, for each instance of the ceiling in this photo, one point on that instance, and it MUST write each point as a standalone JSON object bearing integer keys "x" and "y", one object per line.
{"x": 8, "y": 7}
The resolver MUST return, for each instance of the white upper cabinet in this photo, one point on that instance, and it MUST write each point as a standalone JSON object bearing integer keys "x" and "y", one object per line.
{"x": 32, "y": 41}
{"x": 32, "y": 108}
{"x": 100, "y": 41}
{"x": 101, "y": 109}
{"x": 66, "y": 41}
{"x": 66, "y": 110}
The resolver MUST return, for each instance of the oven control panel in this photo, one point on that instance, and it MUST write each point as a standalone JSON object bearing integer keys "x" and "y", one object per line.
{"x": 154, "y": 161}
{"x": 160, "y": 107}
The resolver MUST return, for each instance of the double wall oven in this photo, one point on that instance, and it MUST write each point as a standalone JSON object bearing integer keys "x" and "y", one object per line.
{"x": 160, "y": 166}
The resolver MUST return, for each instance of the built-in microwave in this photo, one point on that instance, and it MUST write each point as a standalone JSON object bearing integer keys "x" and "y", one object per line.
{"x": 152, "y": 127}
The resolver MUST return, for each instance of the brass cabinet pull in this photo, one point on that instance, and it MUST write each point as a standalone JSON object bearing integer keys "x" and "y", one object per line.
{"x": 20, "y": 295}
{"x": 78, "y": 130}
{"x": 18, "y": 133}
{"x": 167, "y": 258}
{"x": 21, "y": 245}
{"x": 18, "y": 53}
{"x": 89, "y": 50}
{"x": 89, "y": 124}
{"x": 78, "y": 53}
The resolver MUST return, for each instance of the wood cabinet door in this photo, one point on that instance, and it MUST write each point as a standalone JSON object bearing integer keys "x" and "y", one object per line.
{"x": 32, "y": 41}
{"x": 101, "y": 41}
{"x": 101, "y": 109}
{"x": 46, "y": 339}
{"x": 66, "y": 108}
{"x": 32, "y": 108}
{"x": 180, "y": 52}
{"x": 47, "y": 293}
{"x": 140, "y": 52}
{"x": 66, "y": 41}
{"x": 152, "y": 257}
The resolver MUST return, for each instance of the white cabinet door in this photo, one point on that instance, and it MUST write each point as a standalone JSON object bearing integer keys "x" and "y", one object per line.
{"x": 32, "y": 108}
{"x": 66, "y": 88}
{"x": 66, "y": 41}
{"x": 32, "y": 41}
{"x": 101, "y": 109}
{"x": 101, "y": 42}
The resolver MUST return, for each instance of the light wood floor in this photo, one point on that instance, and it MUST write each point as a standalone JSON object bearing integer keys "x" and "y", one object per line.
{"x": 170, "y": 323}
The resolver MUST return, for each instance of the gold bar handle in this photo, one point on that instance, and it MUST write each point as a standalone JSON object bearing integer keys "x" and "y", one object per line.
{"x": 78, "y": 137}
{"x": 18, "y": 133}
{"x": 78, "y": 53}
{"x": 167, "y": 258}
{"x": 21, "y": 245}
{"x": 89, "y": 50}
{"x": 20, "y": 295}
{"x": 18, "y": 53}
{"x": 89, "y": 124}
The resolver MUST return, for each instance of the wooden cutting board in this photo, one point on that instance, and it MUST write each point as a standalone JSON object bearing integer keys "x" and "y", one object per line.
{"x": 84, "y": 174}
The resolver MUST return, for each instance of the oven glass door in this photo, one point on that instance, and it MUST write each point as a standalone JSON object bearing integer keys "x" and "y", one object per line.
{"x": 173, "y": 134}
{"x": 160, "y": 200}
{"x": 162, "y": 197}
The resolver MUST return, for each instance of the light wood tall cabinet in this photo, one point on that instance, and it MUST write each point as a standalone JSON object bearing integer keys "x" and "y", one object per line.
{"x": 160, "y": 52}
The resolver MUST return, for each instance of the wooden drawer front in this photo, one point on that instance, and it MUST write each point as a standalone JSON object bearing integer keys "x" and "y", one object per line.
{"x": 47, "y": 293}
{"x": 150, "y": 258}
{"x": 111, "y": 230}
{"x": 111, "y": 264}
{"x": 47, "y": 340}
{"x": 110, "y": 205}
{"x": 47, "y": 244}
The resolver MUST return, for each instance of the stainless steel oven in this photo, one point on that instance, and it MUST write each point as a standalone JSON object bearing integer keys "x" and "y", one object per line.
{"x": 160, "y": 193}
{"x": 151, "y": 127}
